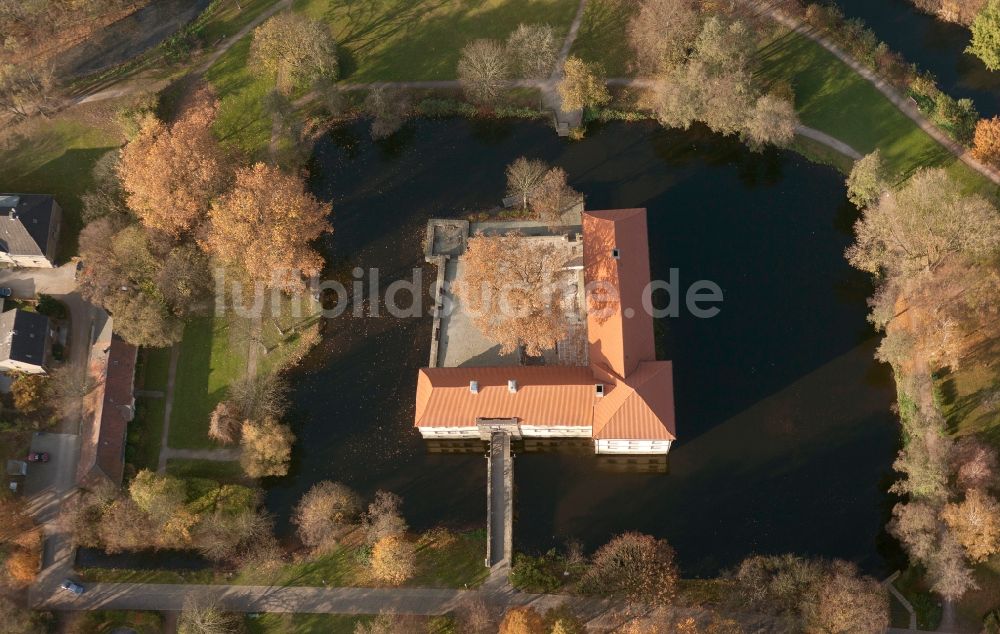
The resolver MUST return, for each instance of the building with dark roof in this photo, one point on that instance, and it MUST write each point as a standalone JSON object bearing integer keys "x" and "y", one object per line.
{"x": 29, "y": 229}
{"x": 619, "y": 395}
{"x": 102, "y": 439}
{"x": 25, "y": 342}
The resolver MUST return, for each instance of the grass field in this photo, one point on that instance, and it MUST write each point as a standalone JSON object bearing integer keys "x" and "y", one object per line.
{"x": 209, "y": 361}
{"x": 56, "y": 156}
{"x": 396, "y": 40}
{"x": 242, "y": 123}
{"x": 834, "y": 99}
{"x": 303, "y": 623}
{"x": 454, "y": 563}
{"x": 602, "y": 36}
{"x": 219, "y": 470}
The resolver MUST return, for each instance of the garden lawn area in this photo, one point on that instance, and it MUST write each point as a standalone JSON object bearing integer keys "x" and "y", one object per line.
{"x": 453, "y": 563}
{"x": 274, "y": 623}
{"x": 226, "y": 471}
{"x": 56, "y": 156}
{"x": 145, "y": 434}
{"x": 834, "y": 99}
{"x": 400, "y": 40}
{"x": 602, "y": 36}
{"x": 101, "y": 621}
{"x": 241, "y": 123}
{"x": 155, "y": 368}
{"x": 208, "y": 363}
{"x": 224, "y": 19}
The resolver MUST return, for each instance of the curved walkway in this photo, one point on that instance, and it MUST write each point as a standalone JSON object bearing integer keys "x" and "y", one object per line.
{"x": 827, "y": 140}
{"x": 903, "y": 103}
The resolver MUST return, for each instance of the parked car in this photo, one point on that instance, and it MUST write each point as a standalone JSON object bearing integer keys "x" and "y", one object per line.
{"x": 6, "y": 292}
{"x": 72, "y": 586}
{"x": 38, "y": 456}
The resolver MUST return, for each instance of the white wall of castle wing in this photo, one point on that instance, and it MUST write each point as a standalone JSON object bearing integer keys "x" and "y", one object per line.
{"x": 625, "y": 446}
{"x": 449, "y": 432}
{"x": 556, "y": 431}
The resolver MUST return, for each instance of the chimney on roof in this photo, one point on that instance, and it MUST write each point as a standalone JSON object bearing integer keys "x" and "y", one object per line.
{"x": 598, "y": 390}
{"x": 511, "y": 386}
{"x": 615, "y": 253}
{"x": 474, "y": 387}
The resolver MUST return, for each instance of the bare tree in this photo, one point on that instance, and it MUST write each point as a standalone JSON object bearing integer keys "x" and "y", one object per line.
{"x": 532, "y": 49}
{"x": 915, "y": 228}
{"x": 26, "y": 89}
{"x": 383, "y": 518}
{"x": 523, "y": 176}
{"x": 225, "y": 424}
{"x": 771, "y": 122}
{"x": 324, "y": 511}
{"x": 295, "y": 49}
{"x": 637, "y": 568}
{"x": 205, "y": 617}
{"x": 483, "y": 71}
{"x": 552, "y": 196}
{"x": 661, "y": 32}
{"x": 388, "y": 108}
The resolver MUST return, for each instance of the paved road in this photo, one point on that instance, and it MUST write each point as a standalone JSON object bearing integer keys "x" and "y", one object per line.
{"x": 85, "y": 318}
{"x": 426, "y": 601}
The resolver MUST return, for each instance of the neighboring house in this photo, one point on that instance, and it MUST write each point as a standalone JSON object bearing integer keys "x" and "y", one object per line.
{"x": 25, "y": 342}
{"x": 102, "y": 439}
{"x": 619, "y": 395}
{"x": 29, "y": 229}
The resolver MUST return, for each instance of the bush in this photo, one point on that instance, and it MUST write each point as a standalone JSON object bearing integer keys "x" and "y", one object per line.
{"x": 543, "y": 574}
{"x": 52, "y": 307}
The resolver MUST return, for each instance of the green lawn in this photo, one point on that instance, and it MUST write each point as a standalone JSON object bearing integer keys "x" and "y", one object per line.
{"x": 56, "y": 156}
{"x": 453, "y": 564}
{"x": 208, "y": 363}
{"x": 145, "y": 434}
{"x": 228, "y": 17}
{"x": 602, "y": 36}
{"x": 834, "y": 99}
{"x": 303, "y": 623}
{"x": 397, "y": 40}
{"x": 103, "y": 621}
{"x": 219, "y": 470}
{"x": 242, "y": 123}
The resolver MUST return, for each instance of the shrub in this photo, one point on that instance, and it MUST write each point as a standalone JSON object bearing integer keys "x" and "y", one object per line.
{"x": 52, "y": 307}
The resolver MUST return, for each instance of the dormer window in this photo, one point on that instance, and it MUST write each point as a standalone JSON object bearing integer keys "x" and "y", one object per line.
{"x": 598, "y": 390}
{"x": 615, "y": 253}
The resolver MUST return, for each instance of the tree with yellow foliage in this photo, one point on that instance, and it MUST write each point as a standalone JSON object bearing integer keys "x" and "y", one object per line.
{"x": 263, "y": 228}
{"x": 522, "y": 620}
{"x": 986, "y": 141}
{"x": 393, "y": 559}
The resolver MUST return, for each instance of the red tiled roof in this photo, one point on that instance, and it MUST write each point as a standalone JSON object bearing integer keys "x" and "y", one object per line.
{"x": 546, "y": 395}
{"x": 619, "y": 333}
{"x": 641, "y": 407}
{"x": 639, "y": 396}
{"x": 102, "y": 448}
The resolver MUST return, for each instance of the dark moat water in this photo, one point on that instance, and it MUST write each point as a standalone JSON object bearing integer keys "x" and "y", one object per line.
{"x": 933, "y": 45}
{"x": 785, "y": 435}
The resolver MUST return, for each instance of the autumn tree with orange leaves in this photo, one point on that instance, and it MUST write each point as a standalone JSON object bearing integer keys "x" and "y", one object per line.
{"x": 986, "y": 141}
{"x": 263, "y": 227}
{"x": 522, "y": 620}
{"x": 170, "y": 173}
{"x": 510, "y": 286}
